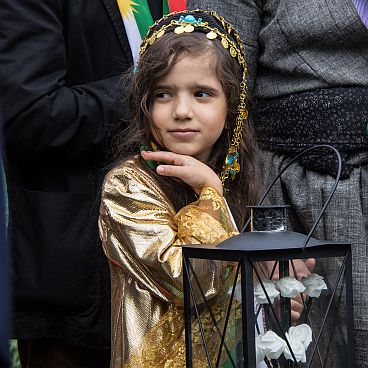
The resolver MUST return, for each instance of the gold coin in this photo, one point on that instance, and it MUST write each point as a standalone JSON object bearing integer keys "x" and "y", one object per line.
{"x": 188, "y": 28}
{"x": 152, "y": 39}
{"x": 160, "y": 34}
{"x": 211, "y": 35}
{"x": 179, "y": 30}
{"x": 225, "y": 43}
{"x": 233, "y": 52}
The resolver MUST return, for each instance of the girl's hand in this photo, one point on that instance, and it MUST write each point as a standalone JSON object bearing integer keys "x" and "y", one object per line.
{"x": 192, "y": 171}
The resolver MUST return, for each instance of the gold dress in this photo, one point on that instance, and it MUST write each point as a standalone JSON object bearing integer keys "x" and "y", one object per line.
{"x": 141, "y": 235}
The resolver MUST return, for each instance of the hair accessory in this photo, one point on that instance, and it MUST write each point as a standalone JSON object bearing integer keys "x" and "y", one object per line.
{"x": 231, "y": 162}
{"x": 214, "y": 27}
{"x": 187, "y": 24}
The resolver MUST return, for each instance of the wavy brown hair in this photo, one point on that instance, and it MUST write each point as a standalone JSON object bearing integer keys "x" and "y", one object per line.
{"x": 155, "y": 63}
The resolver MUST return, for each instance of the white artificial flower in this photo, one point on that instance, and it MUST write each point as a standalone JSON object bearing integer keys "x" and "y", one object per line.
{"x": 314, "y": 285}
{"x": 302, "y": 332}
{"x": 290, "y": 287}
{"x": 298, "y": 349}
{"x": 271, "y": 290}
{"x": 269, "y": 345}
{"x": 260, "y": 355}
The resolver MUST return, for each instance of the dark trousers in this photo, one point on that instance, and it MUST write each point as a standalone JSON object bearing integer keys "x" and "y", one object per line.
{"x": 48, "y": 353}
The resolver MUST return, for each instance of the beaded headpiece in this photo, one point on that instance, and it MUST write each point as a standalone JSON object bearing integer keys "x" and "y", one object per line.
{"x": 215, "y": 27}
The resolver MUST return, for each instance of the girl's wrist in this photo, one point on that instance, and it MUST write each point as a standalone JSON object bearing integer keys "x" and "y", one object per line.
{"x": 216, "y": 186}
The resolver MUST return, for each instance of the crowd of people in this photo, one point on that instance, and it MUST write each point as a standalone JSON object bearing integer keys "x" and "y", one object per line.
{"x": 129, "y": 130}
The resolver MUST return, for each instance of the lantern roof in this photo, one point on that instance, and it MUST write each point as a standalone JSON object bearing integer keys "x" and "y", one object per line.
{"x": 267, "y": 240}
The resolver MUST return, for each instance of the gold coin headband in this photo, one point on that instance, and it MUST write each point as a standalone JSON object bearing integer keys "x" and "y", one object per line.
{"x": 215, "y": 27}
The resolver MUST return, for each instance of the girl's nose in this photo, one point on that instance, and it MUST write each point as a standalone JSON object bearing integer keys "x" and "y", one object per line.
{"x": 183, "y": 108}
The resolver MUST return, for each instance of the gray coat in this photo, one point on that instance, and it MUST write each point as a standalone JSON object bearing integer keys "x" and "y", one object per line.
{"x": 295, "y": 45}
{"x": 303, "y": 45}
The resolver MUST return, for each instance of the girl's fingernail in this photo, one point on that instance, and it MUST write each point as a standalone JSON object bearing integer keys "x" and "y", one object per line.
{"x": 160, "y": 169}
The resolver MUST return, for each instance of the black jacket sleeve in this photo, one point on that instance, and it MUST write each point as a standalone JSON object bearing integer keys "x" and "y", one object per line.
{"x": 42, "y": 111}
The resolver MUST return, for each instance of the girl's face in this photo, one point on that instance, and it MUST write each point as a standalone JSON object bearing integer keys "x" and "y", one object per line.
{"x": 189, "y": 108}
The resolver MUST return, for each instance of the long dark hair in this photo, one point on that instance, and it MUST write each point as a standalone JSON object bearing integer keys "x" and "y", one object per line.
{"x": 155, "y": 63}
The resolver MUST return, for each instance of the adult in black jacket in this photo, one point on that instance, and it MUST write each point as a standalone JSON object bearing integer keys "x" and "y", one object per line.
{"x": 61, "y": 61}
{"x": 4, "y": 272}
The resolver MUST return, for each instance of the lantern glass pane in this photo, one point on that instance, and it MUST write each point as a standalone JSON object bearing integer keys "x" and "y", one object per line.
{"x": 323, "y": 318}
{"x": 333, "y": 345}
{"x": 214, "y": 308}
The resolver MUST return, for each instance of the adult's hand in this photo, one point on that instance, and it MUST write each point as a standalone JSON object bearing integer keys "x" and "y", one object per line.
{"x": 302, "y": 268}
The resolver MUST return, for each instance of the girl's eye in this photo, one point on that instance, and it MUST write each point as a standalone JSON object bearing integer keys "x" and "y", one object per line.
{"x": 162, "y": 95}
{"x": 202, "y": 94}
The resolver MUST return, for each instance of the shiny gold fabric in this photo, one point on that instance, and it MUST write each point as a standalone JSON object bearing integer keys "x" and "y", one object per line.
{"x": 141, "y": 235}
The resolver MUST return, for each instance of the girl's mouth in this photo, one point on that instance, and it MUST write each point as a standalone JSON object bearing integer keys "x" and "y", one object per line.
{"x": 183, "y": 133}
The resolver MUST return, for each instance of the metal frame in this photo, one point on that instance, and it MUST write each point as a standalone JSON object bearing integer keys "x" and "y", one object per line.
{"x": 246, "y": 259}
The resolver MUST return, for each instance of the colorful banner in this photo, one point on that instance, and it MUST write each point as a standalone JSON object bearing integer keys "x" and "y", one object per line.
{"x": 177, "y": 5}
{"x": 137, "y": 19}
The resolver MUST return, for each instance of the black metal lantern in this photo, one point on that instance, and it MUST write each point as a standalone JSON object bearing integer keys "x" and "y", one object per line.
{"x": 246, "y": 322}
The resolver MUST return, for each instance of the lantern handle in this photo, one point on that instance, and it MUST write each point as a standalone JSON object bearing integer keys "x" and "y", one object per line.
{"x": 337, "y": 179}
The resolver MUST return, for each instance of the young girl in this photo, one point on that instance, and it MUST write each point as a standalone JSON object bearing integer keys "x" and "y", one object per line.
{"x": 188, "y": 179}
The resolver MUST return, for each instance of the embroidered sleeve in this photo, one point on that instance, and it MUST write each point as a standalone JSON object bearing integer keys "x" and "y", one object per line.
{"x": 142, "y": 234}
{"x": 207, "y": 220}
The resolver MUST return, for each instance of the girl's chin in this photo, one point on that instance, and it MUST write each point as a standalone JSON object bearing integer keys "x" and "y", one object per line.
{"x": 199, "y": 157}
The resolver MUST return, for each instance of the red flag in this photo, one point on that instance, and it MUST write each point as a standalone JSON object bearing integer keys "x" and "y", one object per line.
{"x": 177, "y": 5}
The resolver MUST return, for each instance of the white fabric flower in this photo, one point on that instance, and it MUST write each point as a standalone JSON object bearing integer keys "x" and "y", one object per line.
{"x": 269, "y": 345}
{"x": 298, "y": 349}
{"x": 303, "y": 333}
{"x": 314, "y": 285}
{"x": 271, "y": 290}
{"x": 290, "y": 287}
{"x": 260, "y": 354}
